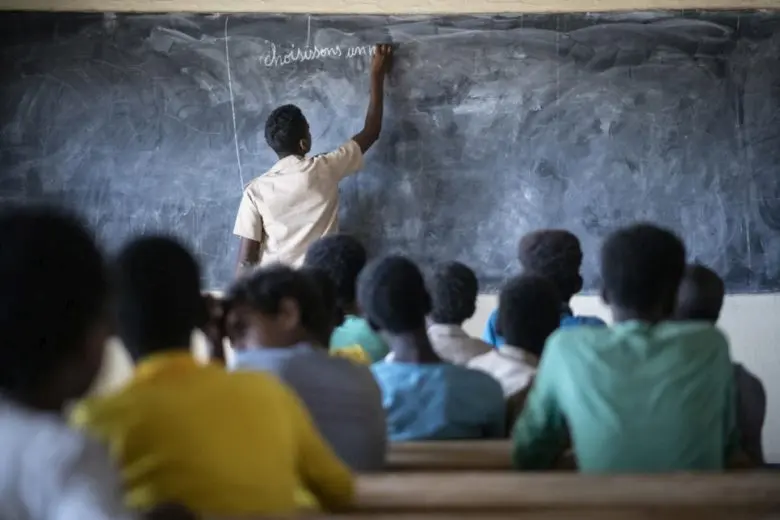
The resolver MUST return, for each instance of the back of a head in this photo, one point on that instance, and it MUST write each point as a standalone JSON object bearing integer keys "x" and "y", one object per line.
{"x": 701, "y": 294}
{"x": 641, "y": 268}
{"x": 159, "y": 301}
{"x": 285, "y": 128}
{"x": 454, "y": 289}
{"x": 556, "y": 255}
{"x": 342, "y": 257}
{"x": 266, "y": 288}
{"x": 327, "y": 290}
{"x": 53, "y": 291}
{"x": 392, "y": 295}
{"x": 528, "y": 312}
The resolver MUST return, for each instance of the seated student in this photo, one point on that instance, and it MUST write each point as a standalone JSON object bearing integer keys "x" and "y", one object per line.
{"x": 528, "y": 312}
{"x": 556, "y": 255}
{"x": 222, "y": 444}
{"x": 54, "y": 323}
{"x": 327, "y": 290}
{"x": 282, "y": 324}
{"x": 342, "y": 257}
{"x": 701, "y": 298}
{"x": 645, "y": 395}
{"x": 424, "y": 397}
{"x": 454, "y": 289}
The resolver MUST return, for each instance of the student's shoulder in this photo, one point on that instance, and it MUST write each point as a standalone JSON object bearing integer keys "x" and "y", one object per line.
{"x": 98, "y": 411}
{"x": 473, "y": 377}
{"x": 693, "y": 332}
{"x": 581, "y": 334}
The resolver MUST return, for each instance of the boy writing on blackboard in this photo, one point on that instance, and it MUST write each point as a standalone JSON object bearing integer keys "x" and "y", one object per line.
{"x": 296, "y": 202}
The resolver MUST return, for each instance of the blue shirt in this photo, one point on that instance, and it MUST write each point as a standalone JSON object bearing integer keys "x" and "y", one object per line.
{"x": 567, "y": 320}
{"x": 633, "y": 398}
{"x": 439, "y": 401}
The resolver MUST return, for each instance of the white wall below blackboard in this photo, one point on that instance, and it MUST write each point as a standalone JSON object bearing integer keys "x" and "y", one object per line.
{"x": 752, "y": 323}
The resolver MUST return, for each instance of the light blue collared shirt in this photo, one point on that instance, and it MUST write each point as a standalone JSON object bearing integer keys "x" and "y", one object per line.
{"x": 440, "y": 401}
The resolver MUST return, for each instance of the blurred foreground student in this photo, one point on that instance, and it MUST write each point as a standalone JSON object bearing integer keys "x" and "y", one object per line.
{"x": 222, "y": 444}
{"x": 280, "y": 322}
{"x": 342, "y": 257}
{"x": 454, "y": 290}
{"x": 528, "y": 312}
{"x": 54, "y": 323}
{"x": 556, "y": 255}
{"x": 424, "y": 397}
{"x": 297, "y": 201}
{"x": 700, "y": 298}
{"x": 645, "y": 395}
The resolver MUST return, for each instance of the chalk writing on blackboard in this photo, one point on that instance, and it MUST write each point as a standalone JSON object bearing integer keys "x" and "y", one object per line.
{"x": 275, "y": 58}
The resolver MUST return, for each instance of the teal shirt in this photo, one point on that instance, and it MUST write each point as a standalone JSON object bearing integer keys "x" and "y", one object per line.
{"x": 356, "y": 331}
{"x": 632, "y": 398}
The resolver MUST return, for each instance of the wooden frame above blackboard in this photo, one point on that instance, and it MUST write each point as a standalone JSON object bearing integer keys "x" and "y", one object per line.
{"x": 377, "y": 6}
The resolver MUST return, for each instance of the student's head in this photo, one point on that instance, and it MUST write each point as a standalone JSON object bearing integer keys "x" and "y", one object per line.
{"x": 528, "y": 312}
{"x": 54, "y": 316}
{"x": 327, "y": 290}
{"x": 556, "y": 255}
{"x": 392, "y": 295}
{"x": 454, "y": 288}
{"x": 276, "y": 306}
{"x": 342, "y": 257}
{"x": 287, "y": 131}
{"x": 159, "y": 297}
{"x": 700, "y": 296}
{"x": 641, "y": 268}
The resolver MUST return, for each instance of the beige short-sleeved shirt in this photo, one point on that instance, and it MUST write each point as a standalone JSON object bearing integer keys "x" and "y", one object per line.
{"x": 295, "y": 203}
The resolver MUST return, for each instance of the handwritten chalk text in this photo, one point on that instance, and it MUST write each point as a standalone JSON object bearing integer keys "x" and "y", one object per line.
{"x": 277, "y": 58}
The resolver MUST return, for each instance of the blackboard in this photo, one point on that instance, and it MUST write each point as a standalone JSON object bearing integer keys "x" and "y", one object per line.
{"x": 495, "y": 125}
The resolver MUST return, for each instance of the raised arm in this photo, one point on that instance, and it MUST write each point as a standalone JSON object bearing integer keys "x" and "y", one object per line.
{"x": 373, "y": 126}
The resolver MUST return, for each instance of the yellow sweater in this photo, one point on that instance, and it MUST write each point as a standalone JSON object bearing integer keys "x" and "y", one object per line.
{"x": 219, "y": 443}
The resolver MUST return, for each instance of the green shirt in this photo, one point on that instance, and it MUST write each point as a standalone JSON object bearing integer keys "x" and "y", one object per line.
{"x": 356, "y": 331}
{"x": 633, "y": 398}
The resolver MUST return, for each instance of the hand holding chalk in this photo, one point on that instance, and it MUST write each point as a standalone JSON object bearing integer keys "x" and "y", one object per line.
{"x": 383, "y": 57}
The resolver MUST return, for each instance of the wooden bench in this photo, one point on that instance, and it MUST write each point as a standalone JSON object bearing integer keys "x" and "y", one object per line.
{"x": 458, "y": 456}
{"x": 557, "y": 496}
{"x": 450, "y": 455}
{"x": 503, "y": 492}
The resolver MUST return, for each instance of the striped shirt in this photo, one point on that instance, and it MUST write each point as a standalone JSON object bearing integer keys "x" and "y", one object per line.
{"x": 341, "y": 396}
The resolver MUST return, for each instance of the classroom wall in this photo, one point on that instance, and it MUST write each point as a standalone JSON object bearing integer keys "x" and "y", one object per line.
{"x": 752, "y": 323}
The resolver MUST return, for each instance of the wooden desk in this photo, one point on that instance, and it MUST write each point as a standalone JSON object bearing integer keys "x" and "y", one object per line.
{"x": 504, "y": 496}
{"x": 488, "y": 492}
{"x": 450, "y": 455}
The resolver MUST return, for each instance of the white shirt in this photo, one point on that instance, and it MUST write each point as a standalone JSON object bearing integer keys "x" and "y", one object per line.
{"x": 50, "y": 472}
{"x": 513, "y": 367}
{"x": 454, "y": 345}
{"x": 295, "y": 203}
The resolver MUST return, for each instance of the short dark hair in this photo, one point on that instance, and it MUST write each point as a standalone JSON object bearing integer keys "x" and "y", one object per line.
{"x": 159, "y": 301}
{"x": 454, "y": 289}
{"x": 528, "y": 312}
{"x": 265, "y": 288}
{"x": 53, "y": 288}
{"x": 641, "y": 268}
{"x": 285, "y": 128}
{"x": 342, "y": 257}
{"x": 327, "y": 290}
{"x": 555, "y": 254}
{"x": 701, "y": 294}
{"x": 392, "y": 295}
